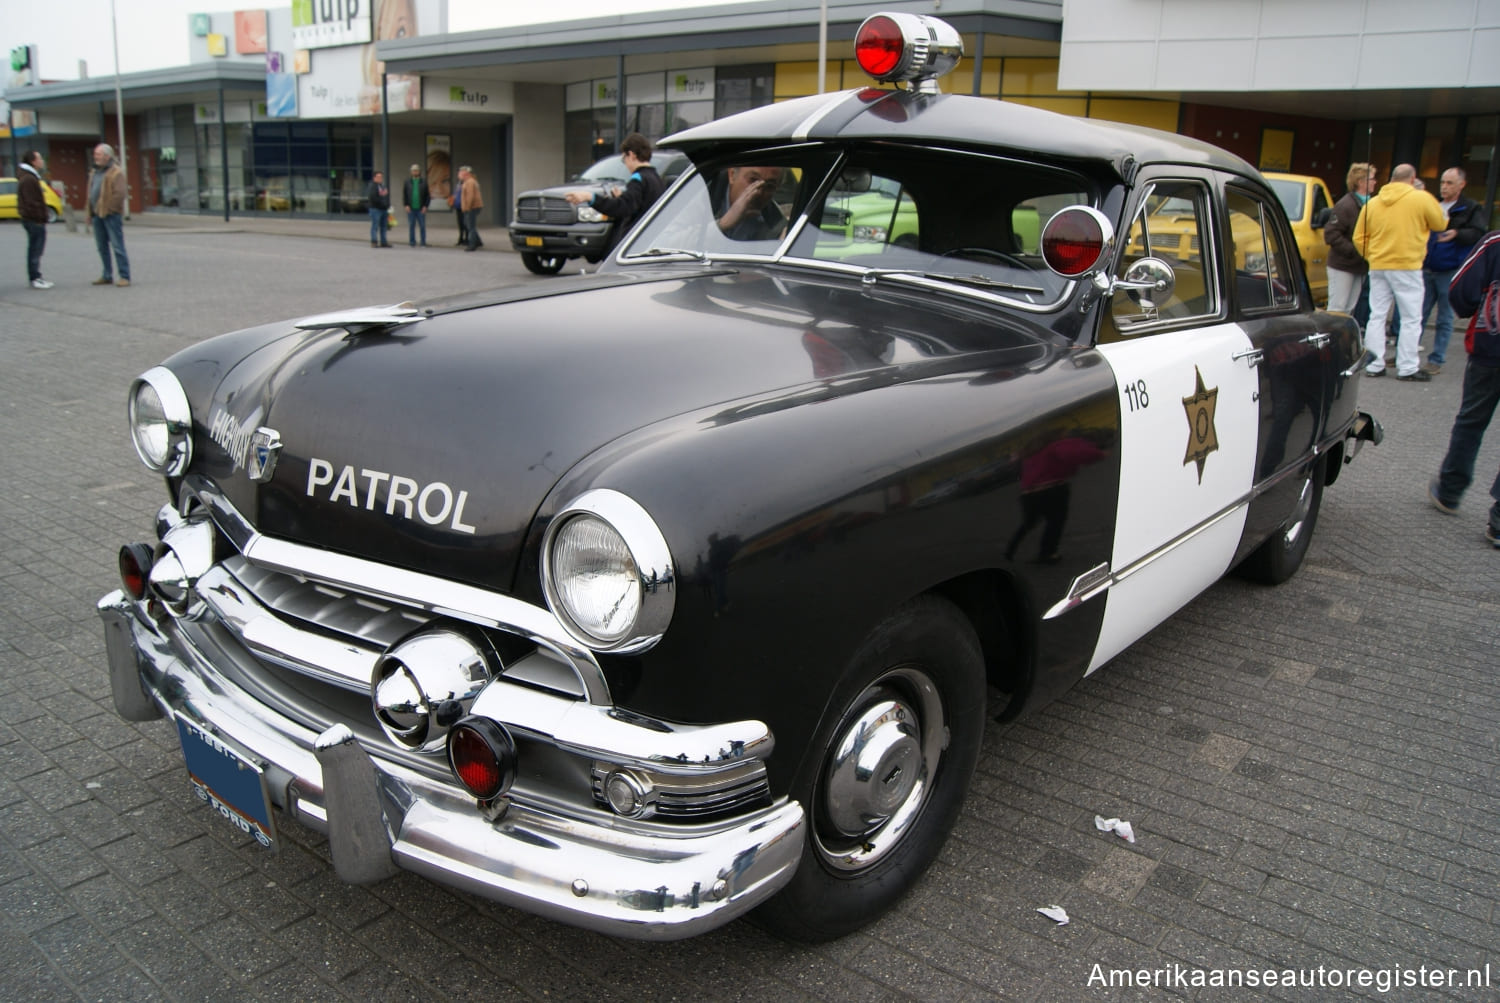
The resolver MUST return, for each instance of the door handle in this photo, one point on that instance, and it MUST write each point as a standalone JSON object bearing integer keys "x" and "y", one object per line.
{"x": 1250, "y": 355}
{"x": 1317, "y": 340}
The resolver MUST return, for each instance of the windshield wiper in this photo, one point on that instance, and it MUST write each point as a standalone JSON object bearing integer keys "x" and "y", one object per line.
{"x": 662, "y": 252}
{"x": 978, "y": 281}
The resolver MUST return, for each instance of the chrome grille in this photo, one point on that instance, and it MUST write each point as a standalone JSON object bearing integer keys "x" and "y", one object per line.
{"x": 535, "y": 209}
{"x": 357, "y": 617}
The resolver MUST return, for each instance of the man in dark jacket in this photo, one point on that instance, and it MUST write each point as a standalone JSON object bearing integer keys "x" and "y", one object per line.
{"x": 1346, "y": 266}
{"x": 415, "y": 195}
{"x": 379, "y": 198}
{"x": 628, "y": 204}
{"x": 1445, "y": 252}
{"x": 31, "y": 206}
{"x": 1475, "y": 291}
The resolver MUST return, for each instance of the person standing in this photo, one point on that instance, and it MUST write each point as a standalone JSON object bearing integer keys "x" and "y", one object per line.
{"x": 1445, "y": 252}
{"x": 1391, "y": 234}
{"x": 415, "y": 195}
{"x": 31, "y": 206}
{"x": 1347, "y": 268}
{"x": 1475, "y": 291}
{"x": 456, "y": 200}
{"x": 107, "y": 216}
{"x": 379, "y": 198}
{"x": 473, "y": 201}
{"x": 628, "y": 204}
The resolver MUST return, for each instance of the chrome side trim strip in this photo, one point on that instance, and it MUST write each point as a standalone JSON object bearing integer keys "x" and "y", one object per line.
{"x": 1099, "y": 579}
{"x": 420, "y": 591}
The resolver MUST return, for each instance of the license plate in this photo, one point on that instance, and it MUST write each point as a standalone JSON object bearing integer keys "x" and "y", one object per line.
{"x": 227, "y": 782}
{"x": 533, "y": 241}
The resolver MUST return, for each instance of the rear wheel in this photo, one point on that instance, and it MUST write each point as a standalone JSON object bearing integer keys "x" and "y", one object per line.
{"x": 1278, "y": 559}
{"x": 889, "y": 772}
{"x": 543, "y": 264}
{"x": 53, "y": 215}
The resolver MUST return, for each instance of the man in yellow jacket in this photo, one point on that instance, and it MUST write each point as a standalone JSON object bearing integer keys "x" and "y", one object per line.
{"x": 1391, "y": 234}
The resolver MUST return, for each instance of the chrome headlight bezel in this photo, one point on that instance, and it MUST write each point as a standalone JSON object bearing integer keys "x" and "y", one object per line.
{"x": 175, "y": 423}
{"x": 650, "y": 559}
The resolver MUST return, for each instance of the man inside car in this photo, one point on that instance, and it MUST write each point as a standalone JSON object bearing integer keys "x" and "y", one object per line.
{"x": 747, "y": 211}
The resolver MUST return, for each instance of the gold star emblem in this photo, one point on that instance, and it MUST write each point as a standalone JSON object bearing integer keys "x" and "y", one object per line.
{"x": 1202, "y": 438}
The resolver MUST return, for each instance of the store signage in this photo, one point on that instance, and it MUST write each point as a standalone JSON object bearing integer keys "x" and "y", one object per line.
{"x": 495, "y": 97}
{"x": 320, "y": 24}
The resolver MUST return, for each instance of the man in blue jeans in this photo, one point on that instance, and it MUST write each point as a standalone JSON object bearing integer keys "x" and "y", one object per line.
{"x": 1447, "y": 250}
{"x": 107, "y": 216}
{"x": 1475, "y": 290}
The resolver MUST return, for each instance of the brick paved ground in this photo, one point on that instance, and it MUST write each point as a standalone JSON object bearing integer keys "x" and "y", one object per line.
{"x": 1310, "y": 770}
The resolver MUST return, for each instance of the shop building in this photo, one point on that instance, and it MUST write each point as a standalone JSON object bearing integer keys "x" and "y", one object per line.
{"x": 276, "y": 117}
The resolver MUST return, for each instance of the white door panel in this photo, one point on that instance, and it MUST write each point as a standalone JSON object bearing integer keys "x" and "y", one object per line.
{"x": 1187, "y": 455}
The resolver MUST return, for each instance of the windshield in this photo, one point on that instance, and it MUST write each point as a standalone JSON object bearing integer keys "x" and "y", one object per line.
{"x": 606, "y": 169}
{"x": 1292, "y": 195}
{"x": 921, "y": 215}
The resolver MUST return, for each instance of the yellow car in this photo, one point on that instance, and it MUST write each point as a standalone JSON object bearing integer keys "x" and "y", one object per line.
{"x": 1308, "y": 206}
{"x": 8, "y": 188}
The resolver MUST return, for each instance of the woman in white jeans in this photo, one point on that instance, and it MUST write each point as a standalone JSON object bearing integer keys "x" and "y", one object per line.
{"x": 1346, "y": 266}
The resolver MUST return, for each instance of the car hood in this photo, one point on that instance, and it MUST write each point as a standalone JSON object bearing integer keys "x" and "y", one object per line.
{"x": 432, "y": 445}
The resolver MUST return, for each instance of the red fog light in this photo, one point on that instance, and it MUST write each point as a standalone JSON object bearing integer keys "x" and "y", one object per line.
{"x": 135, "y": 565}
{"x": 483, "y": 755}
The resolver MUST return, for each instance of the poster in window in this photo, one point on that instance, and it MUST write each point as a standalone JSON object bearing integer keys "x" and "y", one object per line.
{"x": 440, "y": 165}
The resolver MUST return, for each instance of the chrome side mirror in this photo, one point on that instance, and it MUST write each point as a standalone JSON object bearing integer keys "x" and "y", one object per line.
{"x": 1149, "y": 282}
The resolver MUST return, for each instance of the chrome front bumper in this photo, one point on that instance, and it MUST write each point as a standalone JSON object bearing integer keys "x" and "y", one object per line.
{"x": 664, "y": 882}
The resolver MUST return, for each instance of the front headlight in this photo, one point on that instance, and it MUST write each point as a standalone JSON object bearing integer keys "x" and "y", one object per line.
{"x": 607, "y": 573}
{"x": 588, "y": 214}
{"x": 161, "y": 422}
{"x": 871, "y": 233}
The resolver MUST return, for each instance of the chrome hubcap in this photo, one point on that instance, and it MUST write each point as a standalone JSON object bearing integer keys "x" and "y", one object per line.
{"x": 876, "y": 778}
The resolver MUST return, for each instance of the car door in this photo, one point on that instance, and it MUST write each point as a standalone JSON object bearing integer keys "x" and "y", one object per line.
{"x": 1291, "y": 357}
{"x": 1188, "y": 416}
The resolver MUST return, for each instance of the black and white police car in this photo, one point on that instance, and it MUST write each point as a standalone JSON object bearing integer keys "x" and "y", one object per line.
{"x": 681, "y": 593}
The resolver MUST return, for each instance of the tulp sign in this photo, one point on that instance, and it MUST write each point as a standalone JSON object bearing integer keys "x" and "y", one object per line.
{"x": 321, "y": 24}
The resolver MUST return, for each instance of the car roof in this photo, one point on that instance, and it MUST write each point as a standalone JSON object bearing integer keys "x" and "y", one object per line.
{"x": 956, "y": 120}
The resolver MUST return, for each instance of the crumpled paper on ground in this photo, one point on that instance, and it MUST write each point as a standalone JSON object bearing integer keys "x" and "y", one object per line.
{"x": 1055, "y": 912}
{"x": 1115, "y": 825}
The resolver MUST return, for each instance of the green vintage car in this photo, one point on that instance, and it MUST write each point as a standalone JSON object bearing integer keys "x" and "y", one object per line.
{"x": 861, "y": 220}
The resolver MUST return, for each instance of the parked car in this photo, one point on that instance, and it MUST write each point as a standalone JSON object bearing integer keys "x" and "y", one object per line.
{"x": 1308, "y": 206}
{"x": 550, "y": 231}
{"x": 687, "y": 590}
{"x": 8, "y": 210}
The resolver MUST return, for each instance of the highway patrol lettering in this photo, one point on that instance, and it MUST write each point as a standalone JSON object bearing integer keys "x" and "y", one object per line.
{"x": 233, "y": 435}
{"x": 434, "y": 504}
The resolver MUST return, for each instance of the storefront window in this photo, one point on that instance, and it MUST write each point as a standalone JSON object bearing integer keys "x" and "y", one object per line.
{"x": 312, "y": 167}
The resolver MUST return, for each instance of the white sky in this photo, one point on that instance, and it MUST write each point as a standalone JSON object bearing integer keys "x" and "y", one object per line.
{"x": 154, "y": 33}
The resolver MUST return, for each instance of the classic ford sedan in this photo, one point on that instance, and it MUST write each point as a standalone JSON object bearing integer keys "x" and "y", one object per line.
{"x": 682, "y": 590}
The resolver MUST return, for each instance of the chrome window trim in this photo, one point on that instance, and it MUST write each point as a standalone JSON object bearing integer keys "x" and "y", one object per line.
{"x": 179, "y": 418}
{"x": 1209, "y": 256}
{"x": 653, "y": 561}
{"x": 429, "y": 593}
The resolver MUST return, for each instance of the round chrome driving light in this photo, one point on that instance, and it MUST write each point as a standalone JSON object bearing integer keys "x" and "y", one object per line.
{"x": 425, "y": 684}
{"x": 607, "y": 573}
{"x": 161, "y": 422}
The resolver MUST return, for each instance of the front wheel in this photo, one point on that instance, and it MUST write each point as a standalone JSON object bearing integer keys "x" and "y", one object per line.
{"x": 888, "y": 772}
{"x": 53, "y": 215}
{"x": 1278, "y": 559}
{"x": 543, "y": 264}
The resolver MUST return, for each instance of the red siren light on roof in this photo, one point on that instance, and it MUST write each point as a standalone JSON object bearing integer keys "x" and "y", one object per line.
{"x": 1076, "y": 240}
{"x": 892, "y": 47}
